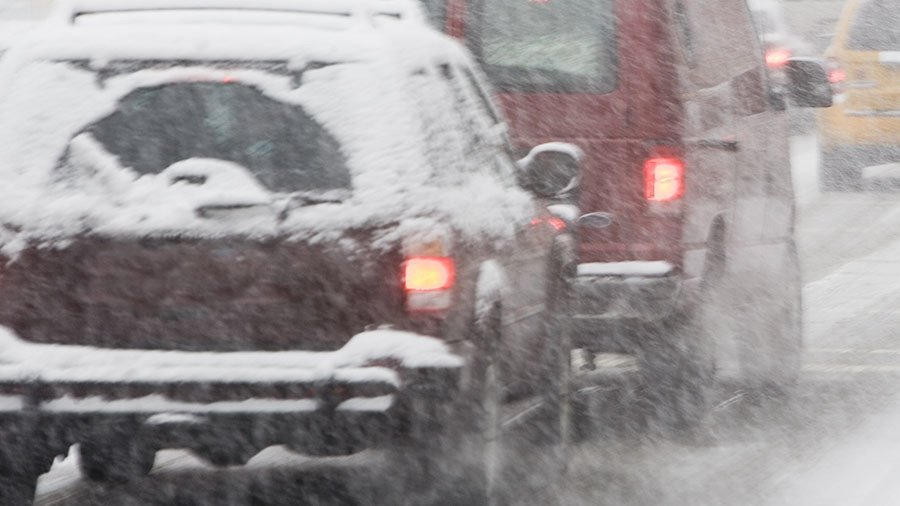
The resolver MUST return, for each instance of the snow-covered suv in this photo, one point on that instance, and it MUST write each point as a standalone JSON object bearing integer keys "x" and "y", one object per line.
{"x": 224, "y": 231}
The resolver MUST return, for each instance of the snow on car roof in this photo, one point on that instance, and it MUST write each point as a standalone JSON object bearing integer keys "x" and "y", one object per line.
{"x": 206, "y": 42}
{"x": 70, "y": 10}
{"x": 365, "y": 101}
{"x": 11, "y": 31}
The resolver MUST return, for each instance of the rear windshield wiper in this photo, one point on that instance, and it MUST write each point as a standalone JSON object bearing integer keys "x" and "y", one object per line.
{"x": 312, "y": 198}
{"x": 211, "y": 210}
{"x": 117, "y": 68}
{"x": 287, "y": 203}
{"x": 308, "y": 198}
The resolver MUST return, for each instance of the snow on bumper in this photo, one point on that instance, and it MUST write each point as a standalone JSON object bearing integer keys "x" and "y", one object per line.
{"x": 625, "y": 290}
{"x": 366, "y": 375}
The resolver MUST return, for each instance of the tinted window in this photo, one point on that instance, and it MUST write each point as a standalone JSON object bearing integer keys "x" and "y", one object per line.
{"x": 546, "y": 45}
{"x": 285, "y": 148}
{"x": 877, "y": 27}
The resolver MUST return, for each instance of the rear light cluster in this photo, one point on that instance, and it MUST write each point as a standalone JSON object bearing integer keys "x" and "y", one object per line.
{"x": 428, "y": 282}
{"x": 777, "y": 57}
{"x": 663, "y": 179}
{"x": 423, "y": 274}
{"x": 556, "y": 223}
{"x": 836, "y": 76}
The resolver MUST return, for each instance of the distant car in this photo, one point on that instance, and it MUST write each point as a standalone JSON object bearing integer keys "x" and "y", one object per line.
{"x": 779, "y": 43}
{"x": 863, "y": 128}
{"x": 686, "y": 200}
{"x": 230, "y": 228}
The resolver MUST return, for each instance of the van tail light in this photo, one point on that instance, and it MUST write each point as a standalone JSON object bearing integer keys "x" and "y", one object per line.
{"x": 663, "y": 179}
{"x": 777, "y": 57}
{"x": 427, "y": 282}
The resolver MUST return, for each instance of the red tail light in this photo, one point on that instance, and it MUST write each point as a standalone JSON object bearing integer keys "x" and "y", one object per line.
{"x": 836, "y": 76}
{"x": 425, "y": 274}
{"x": 663, "y": 179}
{"x": 777, "y": 57}
{"x": 557, "y": 223}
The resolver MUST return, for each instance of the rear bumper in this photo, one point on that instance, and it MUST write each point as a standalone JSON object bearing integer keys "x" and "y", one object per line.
{"x": 613, "y": 299}
{"x": 333, "y": 402}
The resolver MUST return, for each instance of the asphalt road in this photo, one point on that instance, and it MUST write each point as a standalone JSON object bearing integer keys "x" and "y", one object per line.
{"x": 836, "y": 440}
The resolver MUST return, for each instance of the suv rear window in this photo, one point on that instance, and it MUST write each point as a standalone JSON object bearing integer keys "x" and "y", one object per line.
{"x": 283, "y": 146}
{"x": 566, "y": 46}
{"x": 877, "y": 27}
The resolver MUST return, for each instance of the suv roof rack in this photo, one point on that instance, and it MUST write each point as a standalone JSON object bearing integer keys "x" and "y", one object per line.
{"x": 69, "y": 11}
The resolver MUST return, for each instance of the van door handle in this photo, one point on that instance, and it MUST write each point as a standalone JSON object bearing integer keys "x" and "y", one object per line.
{"x": 720, "y": 144}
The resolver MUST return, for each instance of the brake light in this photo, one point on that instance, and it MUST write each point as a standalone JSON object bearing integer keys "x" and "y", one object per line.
{"x": 553, "y": 221}
{"x": 777, "y": 57}
{"x": 425, "y": 274}
{"x": 663, "y": 179}
{"x": 836, "y": 76}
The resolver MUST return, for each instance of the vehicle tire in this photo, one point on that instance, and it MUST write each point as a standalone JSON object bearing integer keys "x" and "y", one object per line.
{"x": 452, "y": 453}
{"x": 838, "y": 172}
{"x": 17, "y": 490}
{"x": 678, "y": 359}
{"x": 555, "y": 427}
{"x": 228, "y": 444}
{"x": 23, "y": 458}
{"x": 542, "y": 443}
{"x": 784, "y": 330}
{"x": 116, "y": 459}
{"x": 484, "y": 464}
{"x": 678, "y": 371}
{"x": 224, "y": 457}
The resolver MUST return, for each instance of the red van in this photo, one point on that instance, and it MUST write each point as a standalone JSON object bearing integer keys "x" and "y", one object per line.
{"x": 687, "y": 256}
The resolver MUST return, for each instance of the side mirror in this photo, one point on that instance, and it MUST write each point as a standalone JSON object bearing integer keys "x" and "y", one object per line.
{"x": 808, "y": 81}
{"x": 552, "y": 170}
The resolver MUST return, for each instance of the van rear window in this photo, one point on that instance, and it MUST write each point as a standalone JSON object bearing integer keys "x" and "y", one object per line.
{"x": 877, "y": 27}
{"x": 562, "y": 46}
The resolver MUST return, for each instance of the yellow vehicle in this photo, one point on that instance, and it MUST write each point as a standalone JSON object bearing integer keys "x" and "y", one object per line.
{"x": 863, "y": 127}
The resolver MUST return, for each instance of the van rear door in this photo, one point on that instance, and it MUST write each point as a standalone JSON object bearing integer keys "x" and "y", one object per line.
{"x": 596, "y": 73}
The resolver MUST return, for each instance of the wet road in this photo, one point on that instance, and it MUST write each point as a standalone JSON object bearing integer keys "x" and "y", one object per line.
{"x": 835, "y": 441}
